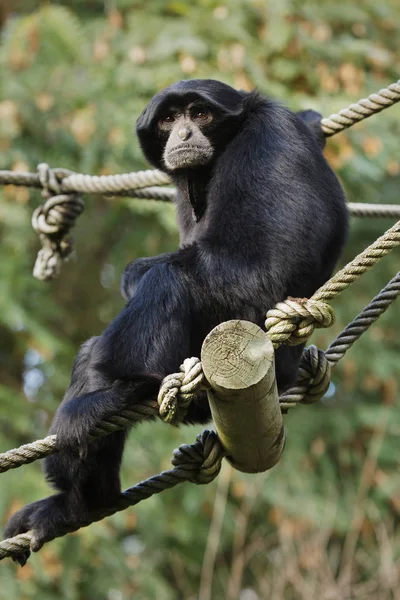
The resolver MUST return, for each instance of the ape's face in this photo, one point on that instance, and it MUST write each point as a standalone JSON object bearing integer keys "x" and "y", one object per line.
{"x": 186, "y": 131}
{"x": 189, "y": 124}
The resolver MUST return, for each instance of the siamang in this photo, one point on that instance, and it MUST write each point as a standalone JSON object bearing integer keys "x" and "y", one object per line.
{"x": 261, "y": 217}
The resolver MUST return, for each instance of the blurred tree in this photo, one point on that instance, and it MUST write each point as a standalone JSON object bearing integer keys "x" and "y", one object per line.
{"x": 73, "y": 78}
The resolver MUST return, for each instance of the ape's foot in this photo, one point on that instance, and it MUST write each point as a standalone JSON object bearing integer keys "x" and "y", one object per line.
{"x": 46, "y": 519}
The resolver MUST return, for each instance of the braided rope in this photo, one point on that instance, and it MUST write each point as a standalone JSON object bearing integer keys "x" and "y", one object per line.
{"x": 312, "y": 383}
{"x": 313, "y": 379}
{"x": 363, "y": 209}
{"x": 109, "y": 184}
{"x": 360, "y": 265}
{"x": 198, "y": 463}
{"x": 28, "y": 453}
{"x": 378, "y": 305}
{"x": 364, "y": 108}
{"x": 293, "y": 320}
{"x": 68, "y": 181}
{"x": 179, "y": 389}
{"x": 314, "y": 370}
{"x": 168, "y": 194}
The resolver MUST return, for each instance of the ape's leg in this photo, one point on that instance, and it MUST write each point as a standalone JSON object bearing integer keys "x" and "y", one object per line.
{"x": 151, "y": 335}
{"x": 97, "y": 485}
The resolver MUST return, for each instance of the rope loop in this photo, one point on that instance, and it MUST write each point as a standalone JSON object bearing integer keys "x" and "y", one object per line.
{"x": 179, "y": 389}
{"x": 202, "y": 460}
{"x": 314, "y": 374}
{"x": 292, "y": 321}
{"x": 53, "y": 221}
{"x": 51, "y": 179}
{"x": 313, "y": 379}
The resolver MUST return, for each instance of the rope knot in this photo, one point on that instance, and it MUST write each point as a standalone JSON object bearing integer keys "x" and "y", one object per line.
{"x": 202, "y": 460}
{"x": 292, "y": 321}
{"x": 179, "y": 389}
{"x": 51, "y": 179}
{"x": 314, "y": 373}
{"x": 53, "y": 221}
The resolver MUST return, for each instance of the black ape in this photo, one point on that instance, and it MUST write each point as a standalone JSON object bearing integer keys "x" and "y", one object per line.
{"x": 261, "y": 217}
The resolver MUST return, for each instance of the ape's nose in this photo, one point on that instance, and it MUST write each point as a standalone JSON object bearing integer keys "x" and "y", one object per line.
{"x": 184, "y": 133}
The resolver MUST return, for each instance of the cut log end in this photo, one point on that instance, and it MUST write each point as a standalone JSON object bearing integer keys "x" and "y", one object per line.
{"x": 238, "y": 362}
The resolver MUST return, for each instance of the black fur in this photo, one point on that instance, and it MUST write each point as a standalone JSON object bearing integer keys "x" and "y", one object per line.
{"x": 265, "y": 220}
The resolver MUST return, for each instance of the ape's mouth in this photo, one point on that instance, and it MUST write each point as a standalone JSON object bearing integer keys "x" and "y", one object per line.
{"x": 187, "y": 155}
{"x": 188, "y": 148}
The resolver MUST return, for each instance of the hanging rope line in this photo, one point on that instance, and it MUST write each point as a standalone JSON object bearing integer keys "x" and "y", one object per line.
{"x": 286, "y": 321}
{"x": 314, "y": 371}
{"x": 290, "y": 322}
{"x": 201, "y": 462}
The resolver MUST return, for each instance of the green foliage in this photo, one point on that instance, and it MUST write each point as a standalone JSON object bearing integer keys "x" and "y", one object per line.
{"x": 74, "y": 76}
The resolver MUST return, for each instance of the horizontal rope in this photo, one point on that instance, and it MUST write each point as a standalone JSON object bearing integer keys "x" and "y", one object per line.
{"x": 168, "y": 194}
{"x": 127, "y": 182}
{"x": 363, "y": 209}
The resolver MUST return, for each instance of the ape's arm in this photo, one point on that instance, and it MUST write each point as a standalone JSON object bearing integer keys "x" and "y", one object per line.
{"x": 135, "y": 270}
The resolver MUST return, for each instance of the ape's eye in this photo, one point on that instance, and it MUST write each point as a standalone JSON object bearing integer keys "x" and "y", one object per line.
{"x": 167, "y": 119}
{"x": 201, "y": 114}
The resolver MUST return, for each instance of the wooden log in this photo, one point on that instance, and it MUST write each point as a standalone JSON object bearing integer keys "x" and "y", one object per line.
{"x": 238, "y": 362}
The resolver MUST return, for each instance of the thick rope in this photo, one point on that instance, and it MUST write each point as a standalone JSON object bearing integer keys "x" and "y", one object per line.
{"x": 363, "y": 209}
{"x": 360, "y": 265}
{"x": 293, "y": 321}
{"x": 53, "y": 222}
{"x": 314, "y": 372}
{"x": 179, "y": 389}
{"x": 69, "y": 181}
{"x": 364, "y": 320}
{"x": 361, "y": 110}
{"x": 28, "y": 453}
{"x": 312, "y": 383}
{"x": 198, "y": 463}
{"x": 168, "y": 194}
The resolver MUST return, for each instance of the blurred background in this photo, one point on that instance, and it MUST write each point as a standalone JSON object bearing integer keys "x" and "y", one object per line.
{"x": 74, "y": 76}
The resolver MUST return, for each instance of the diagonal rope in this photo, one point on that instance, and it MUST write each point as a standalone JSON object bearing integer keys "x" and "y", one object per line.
{"x": 28, "y": 453}
{"x": 198, "y": 463}
{"x": 360, "y": 265}
{"x": 311, "y": 379}
{"x": 363, "y": 109}
{"x": 293, "y": 320}
{"x": 378, "y": 305}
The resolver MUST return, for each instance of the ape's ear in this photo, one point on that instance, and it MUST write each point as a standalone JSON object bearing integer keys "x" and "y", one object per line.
{"x": 313, "y": 120}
